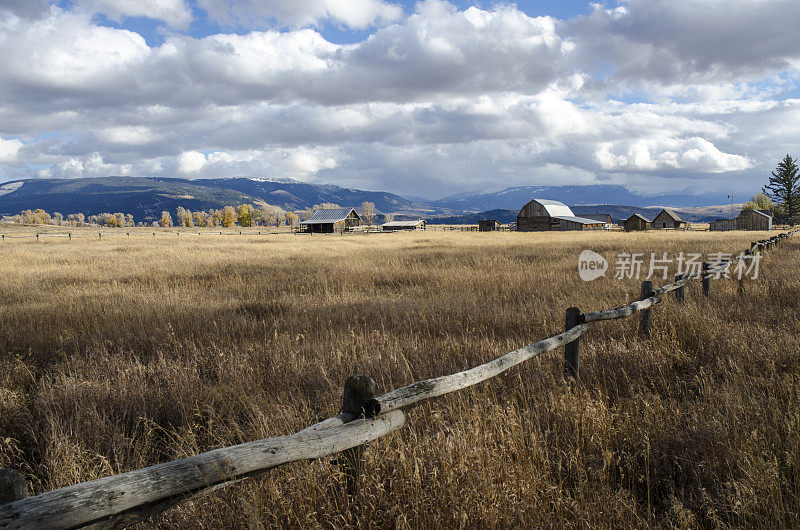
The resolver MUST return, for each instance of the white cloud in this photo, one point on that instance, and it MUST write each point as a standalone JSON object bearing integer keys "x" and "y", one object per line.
{"x": 443, "y": 100}
{"x": 176, "y": 13}
{"x": 694, "y": 45}
{"x": 9, "y": 149}
{"x": 694, "y": 154}
{"x": 358, "y": 14}
{"x": 191, "y": 162}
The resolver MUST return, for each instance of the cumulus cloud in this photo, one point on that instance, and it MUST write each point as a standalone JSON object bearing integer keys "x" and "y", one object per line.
{"x": 692, "y": 42}
{"x": 440, "y": 100}
{"x": 176, "y": 13}
{"x": 694, "y": 154}
{"x": 9, "y": 149}
{"x": 357, "y": 14}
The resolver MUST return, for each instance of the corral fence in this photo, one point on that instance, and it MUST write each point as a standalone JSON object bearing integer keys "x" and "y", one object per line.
{"x": 137, "y": 232}
{"x": 124, "y": 499}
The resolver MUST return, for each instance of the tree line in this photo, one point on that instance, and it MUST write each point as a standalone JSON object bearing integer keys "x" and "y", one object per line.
{"x": 244, "y": 215}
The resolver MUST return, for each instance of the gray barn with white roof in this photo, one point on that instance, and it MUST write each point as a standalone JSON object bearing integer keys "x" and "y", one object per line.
{"x": 545, "y": 214}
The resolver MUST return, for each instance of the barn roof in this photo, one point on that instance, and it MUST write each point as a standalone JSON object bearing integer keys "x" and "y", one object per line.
{"x": 642, "y": 217}
{"x": 672, "y": 214}
{"x": 765, "y": 214}
{"x": 400, "y": 224}
{"x": 328, "y": 215}
{"x": 554, "y": 208}
{"x": 581, "y": 220}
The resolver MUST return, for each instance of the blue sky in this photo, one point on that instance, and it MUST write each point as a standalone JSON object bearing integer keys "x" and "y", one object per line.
{"x": 428, "y": 98}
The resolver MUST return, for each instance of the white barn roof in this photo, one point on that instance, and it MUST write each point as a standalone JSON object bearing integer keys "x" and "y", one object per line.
{"x": 579, "y": 220}
{"x": 555, "y": 208}
{"x": 400, "y": 224}
{"x": 328, "y": 215}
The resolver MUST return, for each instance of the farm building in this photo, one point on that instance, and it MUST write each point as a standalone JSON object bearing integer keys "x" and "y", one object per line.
{"x": 754, "y": 220}
{"x": 488, "y": 225}
{"x": 747, "y": 220}
{"x": 544, "y": 214}
{"x": 722, "y": 224}
{"x": 392, "y": 226}
{"x": 602, "y": 217}
{"x": 668, "y": 219}
{"x": 330, "y": 220}
{"x": 636, "y": 223}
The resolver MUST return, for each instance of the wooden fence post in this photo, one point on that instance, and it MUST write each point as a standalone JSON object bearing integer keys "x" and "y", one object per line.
{"x": 13, "y": 486}
{"x": 706, "y": 278}
{"x": 358, "y": 400}
{"x": 644, "y": 323}
{"x": 679, "y": 292}
{"x": 572, "y": 349}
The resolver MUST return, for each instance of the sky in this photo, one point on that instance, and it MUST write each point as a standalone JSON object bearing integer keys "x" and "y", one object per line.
{"x": 424, "y": 99}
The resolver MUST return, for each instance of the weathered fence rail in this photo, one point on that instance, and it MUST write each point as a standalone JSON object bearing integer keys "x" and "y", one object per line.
{"x": 119, "y": 500}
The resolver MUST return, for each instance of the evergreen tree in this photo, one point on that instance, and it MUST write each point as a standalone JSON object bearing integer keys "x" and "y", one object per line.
{"x": 784, "y": 188}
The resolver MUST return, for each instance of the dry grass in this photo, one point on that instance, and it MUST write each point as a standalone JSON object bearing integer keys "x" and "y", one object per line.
{"x": 121, "y": 353}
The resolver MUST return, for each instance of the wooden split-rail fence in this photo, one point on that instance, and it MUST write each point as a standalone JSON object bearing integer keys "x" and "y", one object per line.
{"x": 121, "y": 500}
{"x": 91, "y": 235}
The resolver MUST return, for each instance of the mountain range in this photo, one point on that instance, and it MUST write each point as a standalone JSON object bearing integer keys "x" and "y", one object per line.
{"x": 146, "y": 197}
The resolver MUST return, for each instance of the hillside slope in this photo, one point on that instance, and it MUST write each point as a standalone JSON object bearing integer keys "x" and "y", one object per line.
{"x": 142, "y": 197}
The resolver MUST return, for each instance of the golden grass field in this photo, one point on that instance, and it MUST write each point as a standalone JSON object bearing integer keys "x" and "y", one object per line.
{"x": 121, "y": 353}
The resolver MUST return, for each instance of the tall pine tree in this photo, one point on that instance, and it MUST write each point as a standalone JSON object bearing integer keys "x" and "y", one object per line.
{"x": 784, "y": 188}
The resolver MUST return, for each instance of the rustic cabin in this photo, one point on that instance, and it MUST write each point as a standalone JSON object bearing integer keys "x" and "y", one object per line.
{"x": 331, "y": 220}
{"x": 394, "y": 226}
{"x": 488, "y": 225}
{"x": 754, "y": 220}
{"x": 602, "y": 217}
{"x": 668, "y": 219}
{"x": 636, "y": 223}
{"x": 544, "y": 214}
{"x": 720, "y": 225}
{"x": 747, "y": 220}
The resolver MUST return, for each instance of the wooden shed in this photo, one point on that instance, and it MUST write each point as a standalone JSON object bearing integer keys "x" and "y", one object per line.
{"x": 545, "y": 214}
{"x": 602, "y": 217}
{"x": 392, "y": 226}
{"x": 668, "y": 219}
{"x": 636, "y": 223}
{"x": 747, "y": 220}
{"x": 722, "y": 224}
{"x": 331, "y": 220}
{"x": 753, "y": 220}
{"x": 488, "y": 225}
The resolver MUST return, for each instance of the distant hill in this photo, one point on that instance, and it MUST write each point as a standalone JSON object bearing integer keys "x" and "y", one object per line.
{"x": 146, "y": 197}
{"x": 142, "y": 197}
{"x": 293, "y": 195}
{"x": 515, "y": 197}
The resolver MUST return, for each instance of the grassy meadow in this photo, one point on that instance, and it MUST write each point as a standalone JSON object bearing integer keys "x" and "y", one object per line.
{"x": 123, "y": 352}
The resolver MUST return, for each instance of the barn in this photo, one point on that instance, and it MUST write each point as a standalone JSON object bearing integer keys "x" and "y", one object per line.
{"x": 636, "y": 223}
{"x": 668, "y": 219}
{"x": 331, "y": 220}
{"x": 544, "y": 214}
{"x": 754, "y": 220}
{"x": 488, "y": 225}
{"x": 719, "y": 225}
{"x": 747, "y": 220}
{"x": 393, "y": 226}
